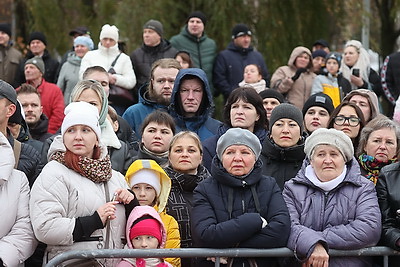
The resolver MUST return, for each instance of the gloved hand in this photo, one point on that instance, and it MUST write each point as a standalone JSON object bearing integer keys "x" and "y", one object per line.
{"x": 298, "y": 72}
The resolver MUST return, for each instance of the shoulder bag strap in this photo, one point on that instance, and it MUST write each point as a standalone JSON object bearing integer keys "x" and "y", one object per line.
{"x": 115, "y": 61}
{"x": 107, "y": 192}
{"x": 17, "y": 152}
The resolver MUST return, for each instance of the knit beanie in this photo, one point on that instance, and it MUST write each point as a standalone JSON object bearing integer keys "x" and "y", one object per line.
{"x": 7, "y": 91}
{"x": 81, "y": 113}
{"x": 238, "y": 136}
{"x": 318, "y": 53}
{"x": 38, "y": 62}
{"x": 286, "y": 111}
{"x": 146, "y": 176}
{"x": 146, "y": 226}
{"x": 198, "y": 14}
{"x": 81, "y": 30}
{"x": 334, "y": 55}
{"x": 154, "y": 25}
{"x": 332, "y": 137}
{"x": 6, "y": 28}
{"x": 240, "y": 30}
{"x": 321, "y": 42}
{"x": 271, "y": 93}
{"x": 37, "y": 36}
{"x": 84, "y": 40}
{"x": 108, "y": 31}
{"x": 321, "y": 100}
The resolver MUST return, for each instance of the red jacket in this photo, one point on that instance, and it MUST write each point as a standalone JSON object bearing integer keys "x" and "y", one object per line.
{"x": 53, "y": 104}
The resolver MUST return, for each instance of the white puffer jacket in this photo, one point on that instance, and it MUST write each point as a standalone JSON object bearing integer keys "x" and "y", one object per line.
{"x": 60, "y": 195}
{"x": 17, "y": 241}
{"x": 104, "y": 57}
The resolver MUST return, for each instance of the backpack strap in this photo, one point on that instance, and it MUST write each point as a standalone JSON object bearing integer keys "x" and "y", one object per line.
{"x": 17, "y": 152}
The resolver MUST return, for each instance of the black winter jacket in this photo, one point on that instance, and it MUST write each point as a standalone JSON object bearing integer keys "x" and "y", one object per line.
{"x": 279, "y": 162}
{"x": 227, "y": 212}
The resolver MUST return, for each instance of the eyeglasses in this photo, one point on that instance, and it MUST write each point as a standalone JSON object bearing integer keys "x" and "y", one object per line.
{"x": 340, "y": 120}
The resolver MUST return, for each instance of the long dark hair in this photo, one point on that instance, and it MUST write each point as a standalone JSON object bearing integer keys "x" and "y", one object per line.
{"x": 248, "y": 95}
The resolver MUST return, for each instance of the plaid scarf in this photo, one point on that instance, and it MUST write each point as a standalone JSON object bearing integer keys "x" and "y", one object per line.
{"x": 373, "y": 166}
{"x": 96, "y": 170}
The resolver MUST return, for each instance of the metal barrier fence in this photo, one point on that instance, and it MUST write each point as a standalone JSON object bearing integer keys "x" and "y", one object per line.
{"x": 205, "y": 252}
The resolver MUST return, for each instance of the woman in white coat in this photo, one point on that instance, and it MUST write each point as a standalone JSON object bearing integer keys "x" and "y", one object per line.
{"x": 17, "y": 241}
{"x": 78, "y": 201}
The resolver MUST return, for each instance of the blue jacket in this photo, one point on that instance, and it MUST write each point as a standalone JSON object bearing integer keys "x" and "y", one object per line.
{"x": 202, "y": 124}
{"x": 227, "y": 211}
{"x": 229, "y": 67}
{"x": 347, "y": 217}
{"x": 136, "y": 113}
{"x": 210, "y": 144}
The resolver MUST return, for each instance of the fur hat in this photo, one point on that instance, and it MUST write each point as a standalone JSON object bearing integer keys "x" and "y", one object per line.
{"x": 6, "y": 28}
{"x": 38, "y": 62}
{"x": 81, "y": 113}
{"x": 198, "y": 14}
{"x": 271, "y": 93}
{"x": 108, "y": 31}
{"x": 286, "y": 111}
{"x": 84, "y": 40}
{"x": 7, "y": 91}
{"x": 154, "y": 25}
{"x": 332, "y": 137}
{"x": 37, "y": 36}
{"x": 240, "y": 30}
{"x": 238, "y": 136}
{"x": 321, "y": 100}
{"x": 146, "y": 225}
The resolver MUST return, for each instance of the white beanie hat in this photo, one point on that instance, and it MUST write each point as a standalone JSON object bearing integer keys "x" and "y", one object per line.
{"x": 108, "y": 31}
{"x": 146, "y": 176}
{"x": 332, "y": 137}
{"x": 81, "y": 113}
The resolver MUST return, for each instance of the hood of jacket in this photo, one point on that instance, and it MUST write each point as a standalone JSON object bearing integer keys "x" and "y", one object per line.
{"x": 58, "y": 145}
{"x": 297, "y": 52}
{"x": 290, "y": 154}
{"x": 219, "y": 173}
{"x": 372, "y": 99}
{"x": 74, "y": 59}
{"x": 165, "y": 181}
{"x": 207, "y": 105}
{"x": 139, "y": 212}
{"x": 240, "y": 50}
{"x": 353, "y": 174}
{"x": 7, "y": 159}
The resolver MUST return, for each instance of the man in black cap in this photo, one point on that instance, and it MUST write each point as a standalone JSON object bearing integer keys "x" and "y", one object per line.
{"x": 154, "y": 47}
{"x": 9, "y": 56}
{"x": 230, "y": 63}
{"x": 37, "y": 44}
{"x": 193, "y": 39}
{"x": 321, "y": 44}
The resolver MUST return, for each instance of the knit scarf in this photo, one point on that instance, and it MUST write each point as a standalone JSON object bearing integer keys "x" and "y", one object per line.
{"x": 96, "y": 170}
{"x": 149, "y": 262}
{"x": 373, "y": 166}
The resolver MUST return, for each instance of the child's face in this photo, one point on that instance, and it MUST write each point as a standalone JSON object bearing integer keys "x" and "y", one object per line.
{"x": 251, "y": 74}
{"x": 332, "y": 66}
{"x": 145, "y": 193}
{"x": 145, "y": 242}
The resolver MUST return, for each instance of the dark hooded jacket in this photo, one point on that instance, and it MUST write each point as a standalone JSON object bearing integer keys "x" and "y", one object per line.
{"x": 210, "y": 144}
{"x": 282, "y": 163}
{"x": 227, "y": 212}
{"x": 229, "y": 66}
{"x": 202, "y": 123}
{"x": 39, "y": 131}
{"x": 143, "y": 57}
{"x": 346, "y": 217}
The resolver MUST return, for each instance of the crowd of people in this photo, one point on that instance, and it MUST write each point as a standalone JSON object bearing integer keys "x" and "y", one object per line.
{"x": 107, "y": 150}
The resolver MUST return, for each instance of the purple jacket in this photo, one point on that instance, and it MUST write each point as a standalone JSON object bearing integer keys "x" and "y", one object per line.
{"x": 346, "y": 218}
